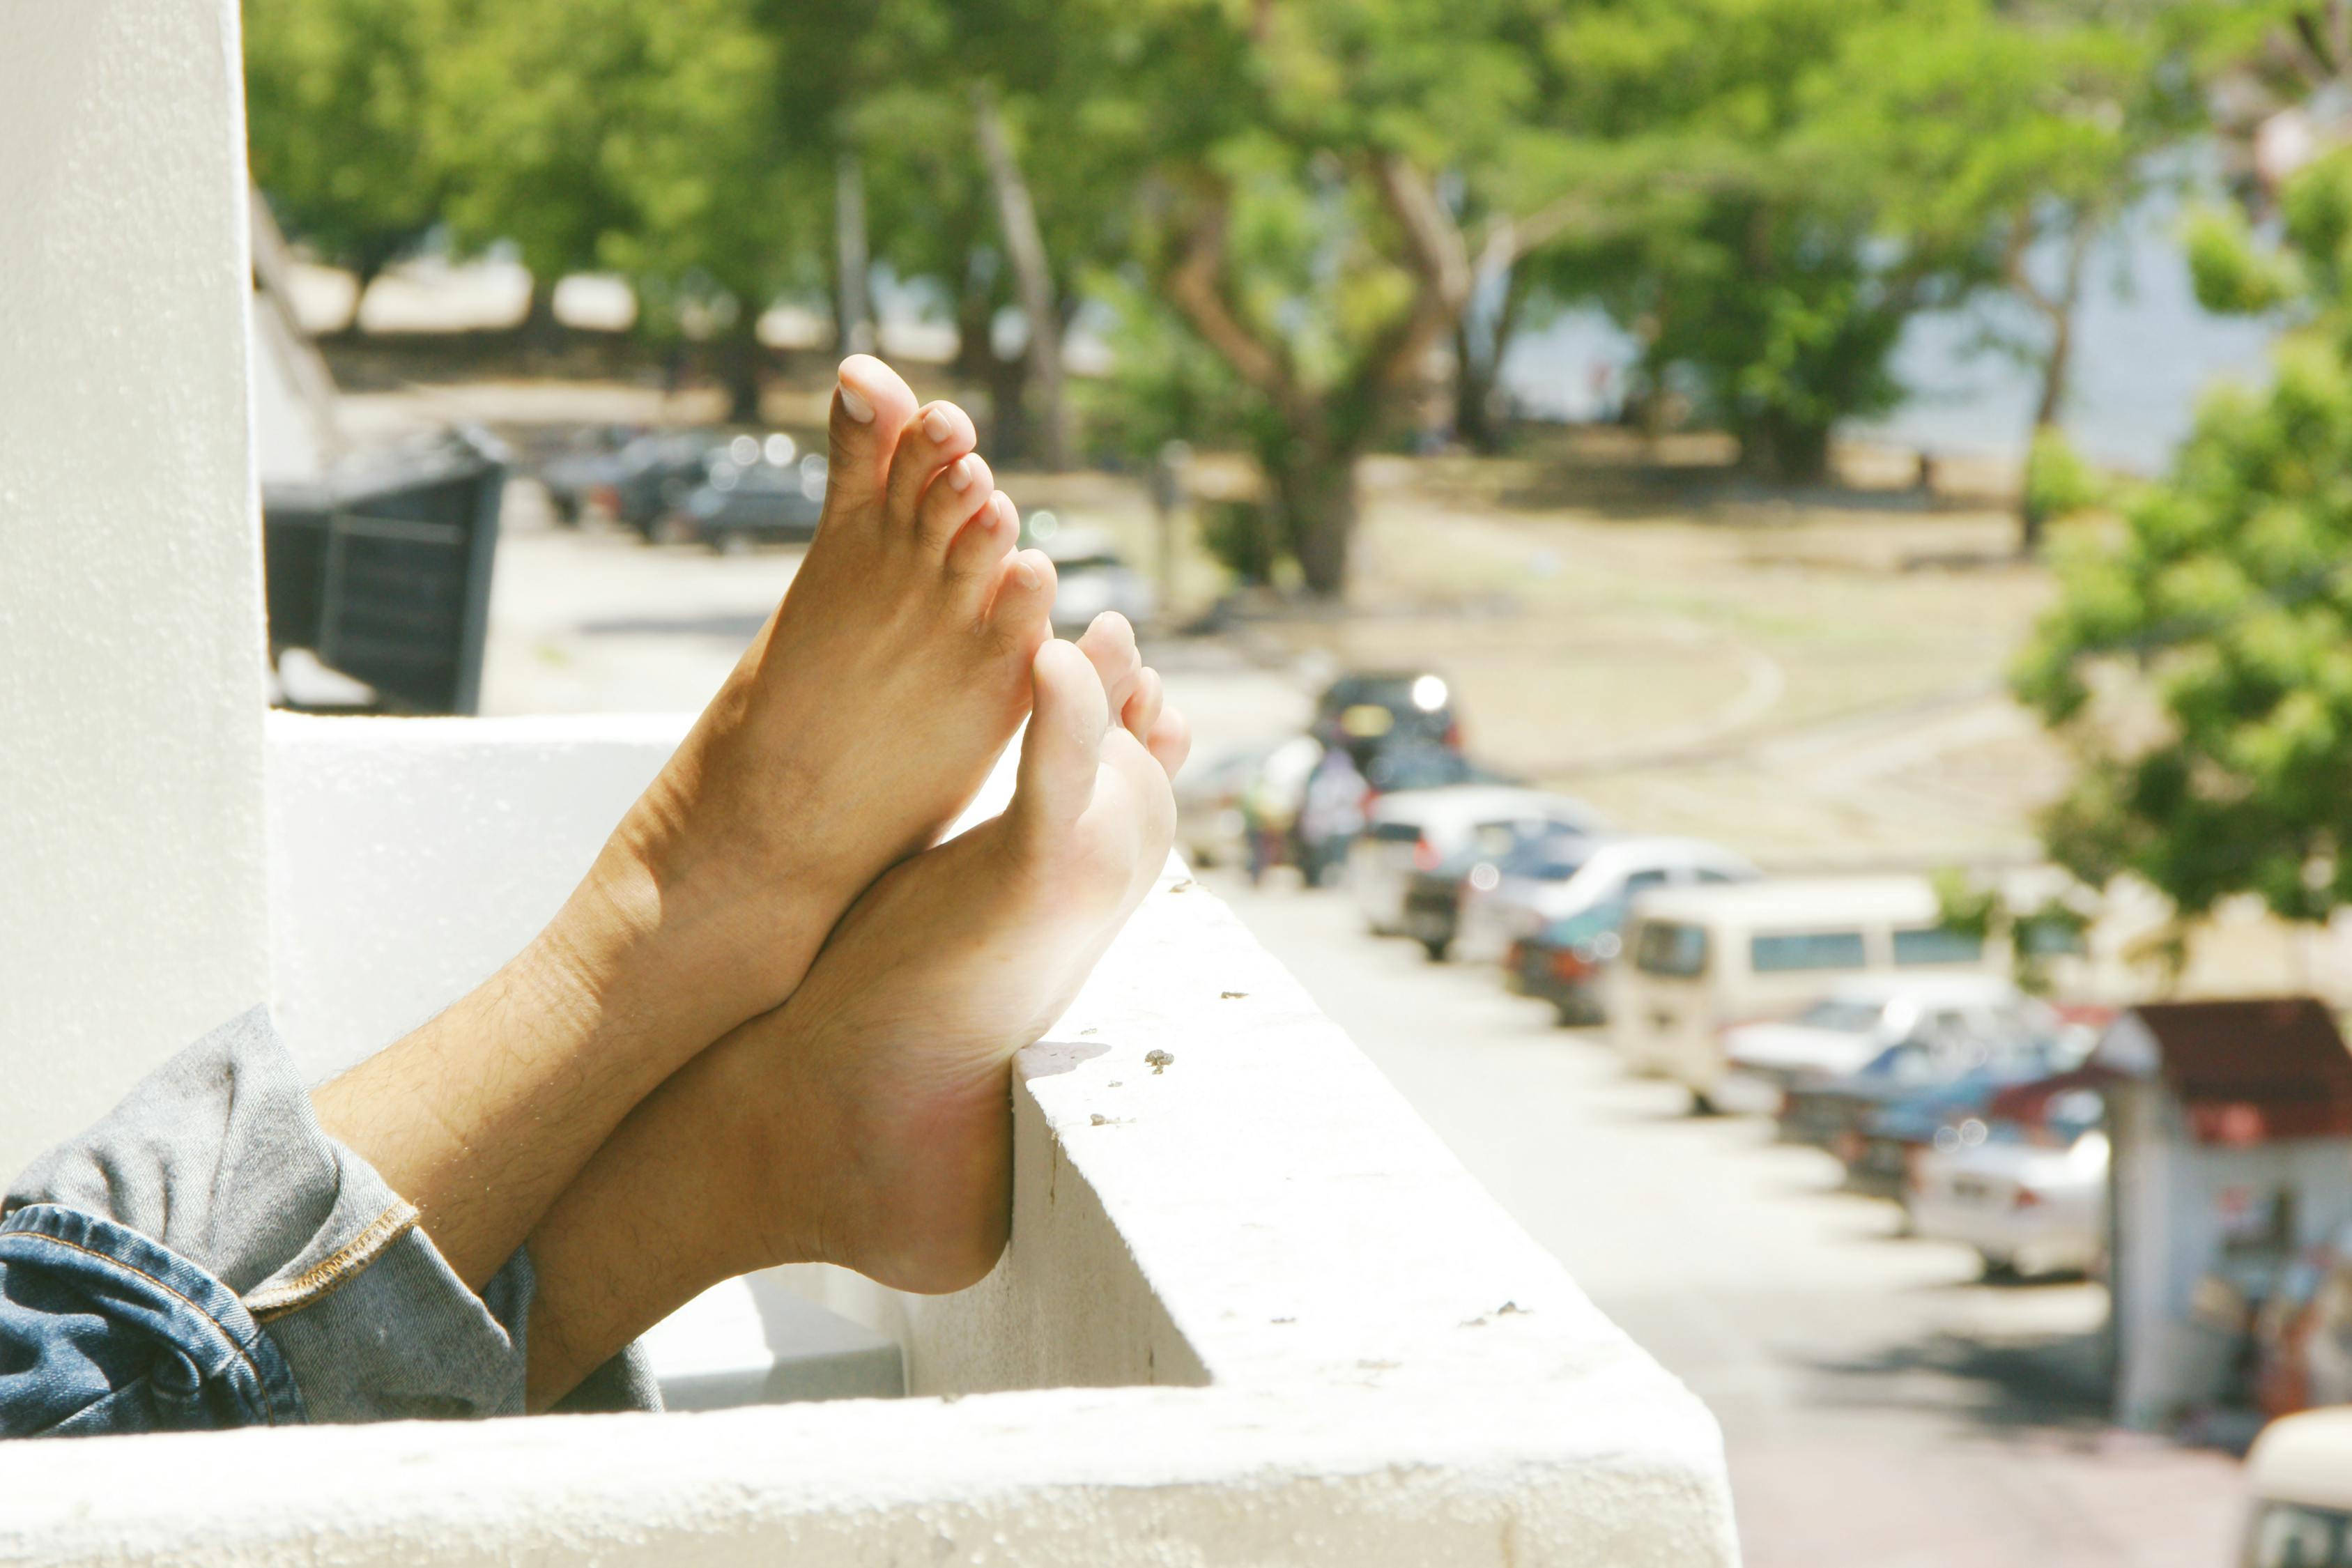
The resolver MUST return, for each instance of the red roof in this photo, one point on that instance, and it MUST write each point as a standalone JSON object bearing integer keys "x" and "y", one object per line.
{"x": 2251, "y": 1071}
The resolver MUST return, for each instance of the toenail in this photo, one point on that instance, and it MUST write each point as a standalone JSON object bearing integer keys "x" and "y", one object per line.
{"x": 1004, "y": 509}
{"x": 1028, "y": 573}
{"x": 937, "y": 425}
{"x": 959, "y": 474}
{"x": 855, "y": 405}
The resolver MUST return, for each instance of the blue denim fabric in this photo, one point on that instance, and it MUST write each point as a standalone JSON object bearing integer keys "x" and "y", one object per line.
{"x": 103, "y": 1331}
{"x": 207, "y": 1255}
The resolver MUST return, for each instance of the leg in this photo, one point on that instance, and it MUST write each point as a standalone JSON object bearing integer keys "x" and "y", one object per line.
{"x": 866, "y": 1121}
{"x": 861, "y": 720}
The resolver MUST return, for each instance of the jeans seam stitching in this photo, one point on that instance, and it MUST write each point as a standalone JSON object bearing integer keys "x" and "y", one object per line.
{"x": 331, "y": 1273}
{"x": 262, "y": 1382}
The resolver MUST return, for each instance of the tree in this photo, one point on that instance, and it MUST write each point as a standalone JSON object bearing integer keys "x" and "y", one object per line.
{"x": 2026, "y": 133}
{"x": 339, "y": 126}
{"x": 2201, "y": 668}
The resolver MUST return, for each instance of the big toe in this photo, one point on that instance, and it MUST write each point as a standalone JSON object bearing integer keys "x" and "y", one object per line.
{"x": 1063, "y": 743}
{"x": 871, "y": 405}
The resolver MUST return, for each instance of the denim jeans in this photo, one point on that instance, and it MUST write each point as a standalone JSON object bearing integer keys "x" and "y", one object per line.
{"x": 206, "y": 1256}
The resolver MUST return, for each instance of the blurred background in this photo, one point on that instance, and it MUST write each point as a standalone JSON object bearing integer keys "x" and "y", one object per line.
{"x": 1761, "y": 585}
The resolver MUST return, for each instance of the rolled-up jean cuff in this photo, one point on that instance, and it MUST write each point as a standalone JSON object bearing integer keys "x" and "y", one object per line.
{"x": 218, "y": 1158}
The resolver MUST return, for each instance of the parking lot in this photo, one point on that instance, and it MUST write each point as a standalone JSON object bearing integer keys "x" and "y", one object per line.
{"x": 1882, "y": 1404}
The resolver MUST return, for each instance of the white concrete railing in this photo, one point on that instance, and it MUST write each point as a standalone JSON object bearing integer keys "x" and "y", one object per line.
{"x": 1252, "y": 1311}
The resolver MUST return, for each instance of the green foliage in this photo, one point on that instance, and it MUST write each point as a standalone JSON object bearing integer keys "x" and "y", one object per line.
{"x": 2036, "y": 936}
{"x": 2202, "y": 665}
{"x": 2233, "y": 274}
{"x": 2058, "y": 481}
{"x": 1287, "y": 205}
{"x": 340, "y": 114}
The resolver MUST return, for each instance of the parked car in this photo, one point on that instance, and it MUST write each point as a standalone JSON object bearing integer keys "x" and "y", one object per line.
{"x": 1892, "y": 1137}
{"x": 1563, "y": 964}
{"x": 1434, "y": 899}
{"x": 1704, "y": 958}
{"x": 1408, "y": 831}
{"x": 2299, "y": 1478}
{"x": 1374, "y": 711}
{"x": 1091, "y": 577}
{"x": 1211, "y": 828}
{"x": 1859, "y": 1018}
{"x": 747, "y": 501}
{"x": 1518, "y": 900}
{"x": 571, "y": 477}
{"x": 2027, "y": 1189}
{"x": 637, "y": 483}
{"x": 1872, "y": 1118}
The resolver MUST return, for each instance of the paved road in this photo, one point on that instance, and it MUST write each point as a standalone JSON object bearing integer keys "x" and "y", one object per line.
{"x": 1882, "y": 1407}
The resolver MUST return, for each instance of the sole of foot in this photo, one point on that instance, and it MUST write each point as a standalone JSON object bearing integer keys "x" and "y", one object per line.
{"x": 881, "y": 1087}
{"x": 859, "y": 723}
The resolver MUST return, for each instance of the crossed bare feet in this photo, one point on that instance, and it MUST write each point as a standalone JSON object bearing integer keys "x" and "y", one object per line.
{"x": 864, "y": 715}
{"x": 860, "y": 722}
{"x": 867, "y": 1121}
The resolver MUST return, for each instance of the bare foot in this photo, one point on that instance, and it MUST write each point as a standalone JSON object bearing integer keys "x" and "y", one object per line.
{"x": 906, "y": 1029}
{"x": 864, "y": 715}
{"x": 867, "y": 1121}
{"x": 860, "y": 722}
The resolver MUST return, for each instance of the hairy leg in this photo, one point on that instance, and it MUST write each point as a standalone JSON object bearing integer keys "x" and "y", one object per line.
{"x": 867, "y": 1121}
{"x": 862, "y": 718}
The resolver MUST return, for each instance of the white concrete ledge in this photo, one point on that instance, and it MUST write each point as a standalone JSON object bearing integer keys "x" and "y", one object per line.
{"x": 1371, "y": 1363}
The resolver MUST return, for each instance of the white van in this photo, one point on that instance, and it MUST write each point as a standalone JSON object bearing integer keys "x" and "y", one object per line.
{"x": 1699, "y": 960}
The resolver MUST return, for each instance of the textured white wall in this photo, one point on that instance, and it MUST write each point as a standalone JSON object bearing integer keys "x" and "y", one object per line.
{"x": 409, "y": 857}
{"x": 131, "y": 893}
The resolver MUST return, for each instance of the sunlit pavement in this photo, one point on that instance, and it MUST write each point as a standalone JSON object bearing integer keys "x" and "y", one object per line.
{"x": 1882, "y": 1407}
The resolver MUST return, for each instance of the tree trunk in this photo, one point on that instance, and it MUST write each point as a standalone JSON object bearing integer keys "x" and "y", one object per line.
{"x": 2031, "y": 522}
{"x": 1787, "y": 451}
{"x": 1024, "y": 245}
{"x": 739, "y": 366}
{"x": 541, "y": 333}
{"x": 1315, "y": 506}
{"x": 2056, "y": 366}
{"x": 1478, "y": 368}
{"x": 853, "y": 313}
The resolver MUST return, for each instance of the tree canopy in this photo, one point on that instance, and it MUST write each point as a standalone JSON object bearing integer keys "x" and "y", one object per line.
{"x": 1322, "y": 218}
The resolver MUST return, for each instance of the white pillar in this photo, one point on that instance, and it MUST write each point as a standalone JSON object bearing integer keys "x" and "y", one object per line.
{"x": 132, "y": 885}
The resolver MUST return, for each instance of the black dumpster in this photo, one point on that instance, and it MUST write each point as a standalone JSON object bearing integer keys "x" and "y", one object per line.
{"x": 383, "y": 570}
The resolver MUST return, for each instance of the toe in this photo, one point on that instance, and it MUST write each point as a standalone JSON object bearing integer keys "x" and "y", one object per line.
{"x": 871, "y": 405}
{"x": 1109, "y": 645}
{"x": 938, "y": 434}
{"x": 964, "y": 493}
{"x": 1141, "y": 710}
{"x": 1064, "y": 743}
{"x": 1169, "y": 739}
{"x": 1024, "y": 605}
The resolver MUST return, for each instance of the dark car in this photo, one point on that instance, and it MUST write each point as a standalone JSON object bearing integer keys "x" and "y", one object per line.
{"x": 636, "y": 481}
{"x": 1914, "y": 1085}
{"x": 573, "y": 476}
{"x": 654, "y": 473}
{"x": 1432, "y": 899}
{"x": 1565, "y": 963}
{"x": 1376, "y": 712}
{"x": 1893, "y": 1134}
{"x": 743, "y": 503}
